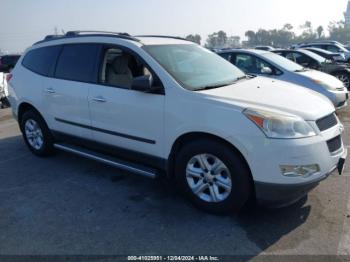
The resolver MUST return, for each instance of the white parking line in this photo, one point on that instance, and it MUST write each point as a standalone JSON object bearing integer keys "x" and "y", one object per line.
{"x": 344, "y": 244}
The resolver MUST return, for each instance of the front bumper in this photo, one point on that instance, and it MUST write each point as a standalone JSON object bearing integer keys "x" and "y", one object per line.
{"x": 266, "y": 156}
{"x": 280, "y": 195}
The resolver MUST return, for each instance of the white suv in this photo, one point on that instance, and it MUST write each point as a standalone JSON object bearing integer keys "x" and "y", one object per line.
{"x": 165, "y": 106}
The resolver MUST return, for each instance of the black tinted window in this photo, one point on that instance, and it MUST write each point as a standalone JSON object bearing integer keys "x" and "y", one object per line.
{"x": 227, "y": 56}
{"x": 77, "y": 62}
{"x": 11, "y": 60}
{"x": 42, "y": 60}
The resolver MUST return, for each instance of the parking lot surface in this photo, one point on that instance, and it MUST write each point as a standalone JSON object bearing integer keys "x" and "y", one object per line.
{"x": 66, "y": 204}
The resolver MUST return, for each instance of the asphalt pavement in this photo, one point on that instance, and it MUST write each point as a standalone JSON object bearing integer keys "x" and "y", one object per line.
{"x": 68, "y": 205}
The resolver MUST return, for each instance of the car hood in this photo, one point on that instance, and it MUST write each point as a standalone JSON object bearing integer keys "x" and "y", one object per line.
{"x": 327, "y": 79}
{"x": 273, "y": 95}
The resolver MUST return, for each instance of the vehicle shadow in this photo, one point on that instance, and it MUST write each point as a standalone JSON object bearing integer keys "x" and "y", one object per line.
{"x": 86, "y": 194}
{"x": 265, "y": 226}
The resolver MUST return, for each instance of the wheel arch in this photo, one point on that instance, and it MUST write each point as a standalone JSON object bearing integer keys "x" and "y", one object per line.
{"x": 191, "y": 136}
{"x": 24, "y": 107}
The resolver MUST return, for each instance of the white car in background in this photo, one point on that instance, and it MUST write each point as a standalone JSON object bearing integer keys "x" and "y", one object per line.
{"x": 3, "y": 90}
{"x": 274, "y": 66}
{"x": 165, "y": 106}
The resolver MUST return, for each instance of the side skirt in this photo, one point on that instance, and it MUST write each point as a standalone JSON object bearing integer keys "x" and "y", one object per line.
{"x": 111, "y": 151}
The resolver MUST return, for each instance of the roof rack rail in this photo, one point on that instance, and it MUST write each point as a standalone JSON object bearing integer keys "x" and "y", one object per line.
{"x": 48, "y": 37}
{"x": 164, "y": 36}
{"x": 82, "y": 32}
{"x": 77, "y": 33}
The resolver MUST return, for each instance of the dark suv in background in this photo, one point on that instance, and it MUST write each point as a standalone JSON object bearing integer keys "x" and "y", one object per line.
{"x": 8, "y": 62}
{"x": 336, "y": 57}
{"x": 311, "y": 60}
{"x": 329, "y": 46}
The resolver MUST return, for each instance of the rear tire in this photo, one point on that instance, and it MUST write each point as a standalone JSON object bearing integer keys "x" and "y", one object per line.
{"x": 344, "y": 77}
{"x": 36, "y": 134}
{"x": 213, "y": 176}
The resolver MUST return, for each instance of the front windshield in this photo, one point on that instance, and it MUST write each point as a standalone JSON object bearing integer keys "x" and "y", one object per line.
{"x": 342, "y": 48}
{"x": 319, "y": 50}
{"x": 195, "y": 67}
{"x": 282, "y": 62}
{"x": 313, "y": 55}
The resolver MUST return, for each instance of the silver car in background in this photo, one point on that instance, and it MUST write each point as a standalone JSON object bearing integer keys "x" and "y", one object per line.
{"x": 263, "y": 63}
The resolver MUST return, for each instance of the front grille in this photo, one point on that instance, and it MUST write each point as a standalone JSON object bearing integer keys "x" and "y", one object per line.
{"x": 327, "y": 122}
{"x": 334, "y": 144}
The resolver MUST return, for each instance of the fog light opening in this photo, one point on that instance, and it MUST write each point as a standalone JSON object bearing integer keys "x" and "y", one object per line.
{"x": 299, "y": 170}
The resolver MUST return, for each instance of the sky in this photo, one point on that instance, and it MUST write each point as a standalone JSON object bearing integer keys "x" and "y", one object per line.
{"x": 27, "y": 21}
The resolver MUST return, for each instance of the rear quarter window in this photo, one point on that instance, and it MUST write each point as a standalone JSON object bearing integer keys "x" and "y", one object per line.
{"x": 42, "y": 60}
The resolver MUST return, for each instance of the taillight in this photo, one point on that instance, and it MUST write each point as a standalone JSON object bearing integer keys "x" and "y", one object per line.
{"x": 8, "y": 77}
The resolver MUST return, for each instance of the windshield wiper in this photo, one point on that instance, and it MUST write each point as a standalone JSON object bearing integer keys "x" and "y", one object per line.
{"x": 241, "y": 78}
{"x": 212, "y": 86}
{"x": 248, "y": 76}
{"x": 302, "y": 70}
{"x": 226, "y": 84}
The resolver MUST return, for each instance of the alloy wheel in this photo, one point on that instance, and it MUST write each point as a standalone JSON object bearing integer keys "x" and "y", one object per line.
{"x": 209, "y": 178}
{"x": 33, "y": 134}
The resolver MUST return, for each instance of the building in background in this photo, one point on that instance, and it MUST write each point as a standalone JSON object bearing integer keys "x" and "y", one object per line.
{"x": 347, "y": 15}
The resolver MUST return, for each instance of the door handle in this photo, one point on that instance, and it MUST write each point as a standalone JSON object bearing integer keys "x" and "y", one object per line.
{"x": 50, "y": 90}
{"x": 99, "y": 99}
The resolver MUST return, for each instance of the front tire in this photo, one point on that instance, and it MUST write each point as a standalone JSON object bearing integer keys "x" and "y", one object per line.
{"x": 36, "y": 133}
{"x": 213, "y": 176}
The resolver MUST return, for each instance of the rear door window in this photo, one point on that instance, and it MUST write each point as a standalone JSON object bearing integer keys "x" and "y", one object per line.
{"x": 227, "y": 56}
{"x": 42, "y": 60}
{"x": 290, "y": 56}
{"x": 246, "y": 63}
{"x": 302, "y": 59}
{"x": 251, "y": 64}
{"x": 77, "y": 62}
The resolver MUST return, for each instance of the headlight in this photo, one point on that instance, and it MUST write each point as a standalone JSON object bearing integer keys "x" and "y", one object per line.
{"x": 276, "y": 125}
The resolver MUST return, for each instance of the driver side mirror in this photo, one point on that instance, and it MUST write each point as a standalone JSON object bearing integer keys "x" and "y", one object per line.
{"x": 266, "y": 70}
{"x": 145, "y": 84}
{"x": 142, "y": 83}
